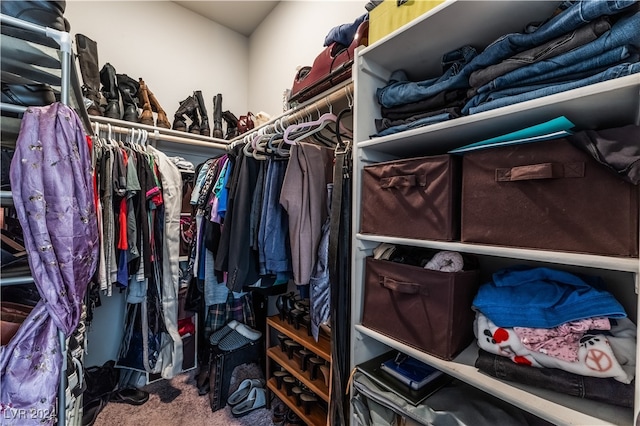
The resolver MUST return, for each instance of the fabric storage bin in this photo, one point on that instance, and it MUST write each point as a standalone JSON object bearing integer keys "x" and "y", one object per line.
{"x": 427, "y": 309}
{"x": 413, "y": 198}
{"x": 390, "y": 15}
{"x": 547, "y": 195}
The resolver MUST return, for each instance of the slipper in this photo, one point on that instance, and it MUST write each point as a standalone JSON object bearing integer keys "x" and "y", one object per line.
{"x": 257, "y": 399}
{"x": 243, "y": 390}
{"x": 248, "y": 332}
{"x": 91, "y": 410}
{"x": 241, "y": 336}
{"x": 130, "y": 396}
{"x": 219, "y": 334}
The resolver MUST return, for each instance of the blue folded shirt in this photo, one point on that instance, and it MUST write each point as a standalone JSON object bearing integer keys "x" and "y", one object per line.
{"x": 544, "y": 298}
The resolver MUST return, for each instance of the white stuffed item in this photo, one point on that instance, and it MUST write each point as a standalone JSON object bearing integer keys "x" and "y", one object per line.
{"x": 446, "y": 261}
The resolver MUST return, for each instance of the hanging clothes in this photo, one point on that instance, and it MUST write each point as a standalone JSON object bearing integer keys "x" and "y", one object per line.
{"x": 304, "y": 197}
{"x": 235, "y": 254}
{"x": 171, "y": 352}
{"x": 53, "y": 194}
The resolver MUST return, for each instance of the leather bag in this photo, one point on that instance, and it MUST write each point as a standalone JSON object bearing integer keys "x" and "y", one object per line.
{"x": 413, "y": 198}
{"x": 548, "y": 195}
{"x": 246, "y": 123}
{"x": 331, "y": 66}
{"x": 427, "y": 309}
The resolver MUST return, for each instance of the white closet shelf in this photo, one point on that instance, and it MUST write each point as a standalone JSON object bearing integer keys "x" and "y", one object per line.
{"x": 626, "y": 264}
{"x": 418, "y": 46}
{"x": 593, "y": 106}
{"x": 552, "y": 406}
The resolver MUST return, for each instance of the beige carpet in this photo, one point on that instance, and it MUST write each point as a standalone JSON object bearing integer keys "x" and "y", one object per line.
{"x": 176, "y": 402}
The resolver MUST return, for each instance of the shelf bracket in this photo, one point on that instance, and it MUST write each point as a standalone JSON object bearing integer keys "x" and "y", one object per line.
{"x": 373, "y": 70}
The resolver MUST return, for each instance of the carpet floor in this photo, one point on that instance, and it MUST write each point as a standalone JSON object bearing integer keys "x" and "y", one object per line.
{"x": 176, "y": 402}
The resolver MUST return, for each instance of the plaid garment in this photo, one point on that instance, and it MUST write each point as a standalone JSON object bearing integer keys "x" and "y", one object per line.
{"x": 239, "y": 309}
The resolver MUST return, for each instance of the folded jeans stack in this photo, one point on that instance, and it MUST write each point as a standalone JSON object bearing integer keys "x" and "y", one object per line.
{"x": 583, "y": 43}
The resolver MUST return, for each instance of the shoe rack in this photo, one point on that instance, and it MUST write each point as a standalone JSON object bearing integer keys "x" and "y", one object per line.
{"x": 298, "y": 368}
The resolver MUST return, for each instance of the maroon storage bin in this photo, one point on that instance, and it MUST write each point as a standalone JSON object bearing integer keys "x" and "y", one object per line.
{"x": 547, "y": 195}
{"x": 429, "y": 310}
{"x": 413, "y": 198}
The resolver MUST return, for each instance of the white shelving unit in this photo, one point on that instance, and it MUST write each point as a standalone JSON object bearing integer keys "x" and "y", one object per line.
{"x": 417, "y": 48}
{"x": 28, "y": 62}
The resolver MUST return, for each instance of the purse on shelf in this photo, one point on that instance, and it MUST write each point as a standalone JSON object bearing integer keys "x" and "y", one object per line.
{"x": 246, "y": 122}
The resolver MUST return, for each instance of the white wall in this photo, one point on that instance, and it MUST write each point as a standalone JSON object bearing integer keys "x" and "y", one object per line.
{"x": 291, "y": 36}
{"x": 173, "y": 49}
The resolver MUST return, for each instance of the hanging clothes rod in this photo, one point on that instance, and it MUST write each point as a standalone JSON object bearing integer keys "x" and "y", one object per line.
{"x": 339, "y": 93}
{"x": 158, "y": 134}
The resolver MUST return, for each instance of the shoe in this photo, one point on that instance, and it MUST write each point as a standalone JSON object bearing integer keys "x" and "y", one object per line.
{"x": 161, "y": 120}
{"x": 130, "y": 396}
{"x": 204, "y": 118}
{"x": 110, "y": 91}
{"x": 244, "y": 390}
{"x": 186, "y": 108}
{"x": 241, "y": 336}
{"x": 128, "y": 88}
{"x": 88, "y": 62}
{"x": 257, "y": 398}
{"x": 232, "y": 124}
{"x": 217, "y": 117}
{"x": 146, "y": 116}
{"x": 219, "y": 334}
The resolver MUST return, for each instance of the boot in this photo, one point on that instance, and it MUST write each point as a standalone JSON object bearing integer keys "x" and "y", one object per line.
{"x": 88, "y": 61}
{"x": 128, "y": 88}
{"x": 162, "y": 120}
{"x": 217, "y": 116}
{"x": 204, "y": 118}
{"x": 232, "y": 124}
{"x": 186, "y": 108}
{"x": 194, "y": 127}
{"x": 110, "y": 91}
{"x": 146, "y": 117}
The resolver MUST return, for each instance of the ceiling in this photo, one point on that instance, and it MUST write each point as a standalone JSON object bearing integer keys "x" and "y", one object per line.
{"x": 241, "y": 16}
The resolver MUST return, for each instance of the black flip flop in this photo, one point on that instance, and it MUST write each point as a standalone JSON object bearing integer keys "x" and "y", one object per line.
{"x": 130, "y": 396}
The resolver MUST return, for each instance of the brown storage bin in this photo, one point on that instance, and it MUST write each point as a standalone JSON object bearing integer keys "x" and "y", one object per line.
{"x": 414, "y": 198}
{"x": 547, "y": 195}
{"x": 427, "y": 309}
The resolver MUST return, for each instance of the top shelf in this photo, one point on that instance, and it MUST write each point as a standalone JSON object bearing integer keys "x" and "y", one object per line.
{"x": 27, "y": 62}
{"x": 419, "y": 45}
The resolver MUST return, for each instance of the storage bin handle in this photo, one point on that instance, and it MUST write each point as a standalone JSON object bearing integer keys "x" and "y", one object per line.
{"x": 402, "y": 287}
{"x": 403, "y": 181}
{"x": 540, "y": 171}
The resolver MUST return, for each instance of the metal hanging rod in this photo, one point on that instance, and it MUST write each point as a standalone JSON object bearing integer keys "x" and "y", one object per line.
{"x": 339, "y": 93}
{"x": 158, "y": 134}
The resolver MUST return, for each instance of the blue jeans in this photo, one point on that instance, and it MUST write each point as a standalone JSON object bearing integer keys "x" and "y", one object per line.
{"x": 401, "y": 91}
{"x": 578, "y": 14}
{"x": 418, "y": 123}
{"x": 274, "y": 250}
{"x": 611, "y": 73}
{"x": 562, "y": 75}
{"x": 579, "y": 37}
{"x": 625, "y": 32}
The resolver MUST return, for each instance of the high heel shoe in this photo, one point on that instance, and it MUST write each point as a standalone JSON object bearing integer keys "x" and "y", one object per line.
{"x": 305, "y": 354}
{"x": 289, "y": 383}
{"x": 307, "y": 401}
{"x": 315, "y": 364}
{"x": 291, "y": 346}
{"x": 280, "y": 375}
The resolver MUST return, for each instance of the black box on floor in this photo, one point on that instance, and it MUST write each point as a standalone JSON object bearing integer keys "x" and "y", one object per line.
{"x": 221, "y": 366}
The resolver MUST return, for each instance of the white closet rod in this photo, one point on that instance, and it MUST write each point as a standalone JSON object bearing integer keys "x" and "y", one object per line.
{"x": 159, "y": 134}
{"x": 314, "y": 105}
